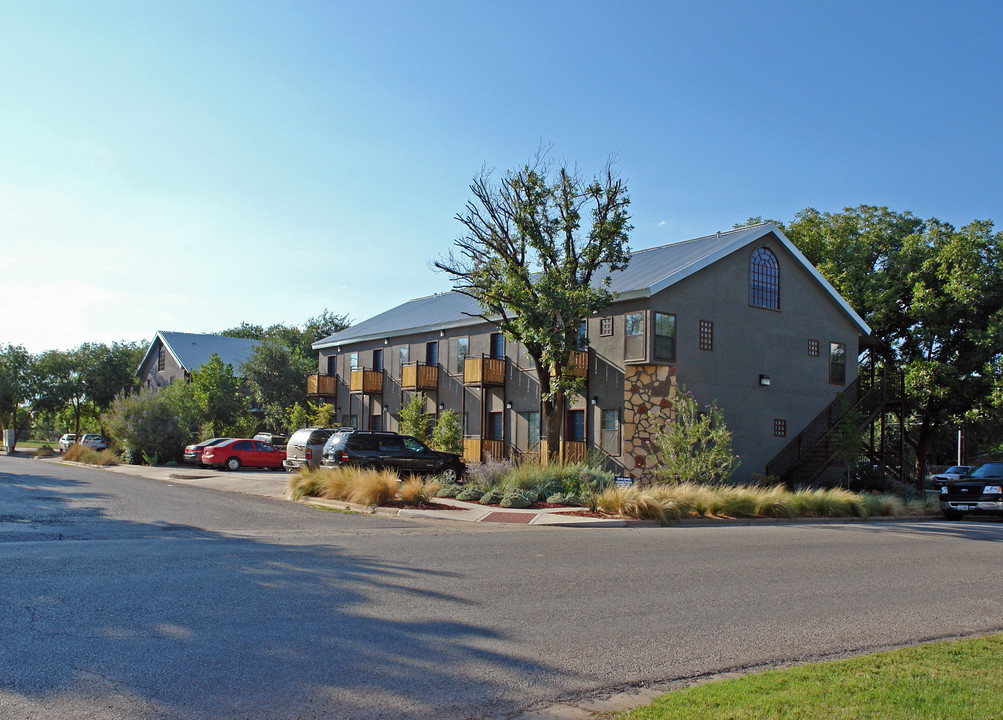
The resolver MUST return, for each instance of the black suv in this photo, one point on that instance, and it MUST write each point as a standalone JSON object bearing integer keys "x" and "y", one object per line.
{"x": 380, "y": 449}
{"x": 978, "y": 492}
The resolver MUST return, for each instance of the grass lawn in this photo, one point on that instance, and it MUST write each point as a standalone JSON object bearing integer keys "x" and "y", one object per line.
{"x": 956, "y": 679}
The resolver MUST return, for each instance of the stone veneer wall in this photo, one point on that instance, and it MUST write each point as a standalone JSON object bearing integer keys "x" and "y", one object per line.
{"x": 644, "y": 387}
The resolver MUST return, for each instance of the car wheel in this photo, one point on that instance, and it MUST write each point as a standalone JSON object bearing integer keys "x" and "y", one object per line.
{"x": 953, "y": 515}
{"x": 451, "y": 474}
{"x": 233, "y": 464}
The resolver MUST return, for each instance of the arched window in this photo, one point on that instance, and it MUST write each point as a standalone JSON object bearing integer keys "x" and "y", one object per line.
{"x": 764, "y": 279}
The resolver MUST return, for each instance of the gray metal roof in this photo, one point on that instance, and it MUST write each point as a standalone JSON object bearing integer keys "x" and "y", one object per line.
{"x": 648, "y": 272}
{"x": 192, "y": 350}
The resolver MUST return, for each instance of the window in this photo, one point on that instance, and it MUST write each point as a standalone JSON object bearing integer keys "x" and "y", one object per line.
{"x": 353, "y": 360}
{"x": 353, "y": 421}
{"x": 161, "y": 359}
{"x": 764, "y": 279}
{"x": 402, "y": 357}
{"x": 378, "y": 360}
{"x": 779, "y": 427}
{"x": 583, "y": 335}
{"x": 665, "y": 337}
{"x": 332, "y": 365}
{"x": 633, "y": 329}
{"x": 375, "y": 422}
{"x": 462, "y": 350}
{"x": 432, "y": 353}
{"x": 497, "y": 345}
{"x": 837, "y": 363}
{"x": 605, "y": 326}
{"x": 609, "y": 430}
{"x": 706, "y": 335}
{"x": 576, "y": 425}
{"x": 813, "y": 348}
{"x": 496, "y": 426}
{"x": 246, "y": 445}
{"x": 528, "y": 435}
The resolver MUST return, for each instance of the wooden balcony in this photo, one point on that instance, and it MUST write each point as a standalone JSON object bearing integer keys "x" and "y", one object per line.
{"x": 484, "y": 370}
{"x": 419, "y": 376}
{"x": 368, "y": 382}
{"x": 578, "y": 365}
{"x": 323, "y": 385}
{"x": 572, "y": 452}
{"x": 477, "y": 449}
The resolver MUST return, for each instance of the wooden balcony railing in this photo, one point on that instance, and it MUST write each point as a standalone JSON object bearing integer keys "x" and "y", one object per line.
{"x": 324, "y": 385}
{"x": 484, "y": 370}
{"x": 477, "y": 449}
{"x": 578, "y": 365}
{"x": 369, "y": 382}
{"x": 573, "y": 451}
{"x": 419, "y": 376}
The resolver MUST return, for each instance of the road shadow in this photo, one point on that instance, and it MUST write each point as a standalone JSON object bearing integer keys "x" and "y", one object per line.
{"x": 160, "y": 619}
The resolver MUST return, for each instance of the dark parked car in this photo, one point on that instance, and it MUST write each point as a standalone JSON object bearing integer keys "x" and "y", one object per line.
{"x": 403, "y": 453}
{"x": 980, "y": 492}
{"x": 237, "y": 453}
{"x": 273, "y": 439}
{"x": 193, "y": 453}
{"x": 954, "y": 472}
{"x": 306, "y": 446}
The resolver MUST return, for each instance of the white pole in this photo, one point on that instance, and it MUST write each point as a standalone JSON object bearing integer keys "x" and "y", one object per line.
{"x": 959, "y": 446}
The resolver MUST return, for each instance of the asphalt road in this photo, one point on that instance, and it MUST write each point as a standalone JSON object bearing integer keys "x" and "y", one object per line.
{"x": 128, "y": 598}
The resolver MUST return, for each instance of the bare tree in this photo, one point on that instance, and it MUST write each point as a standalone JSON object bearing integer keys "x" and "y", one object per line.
{"x": 538, "y": 269}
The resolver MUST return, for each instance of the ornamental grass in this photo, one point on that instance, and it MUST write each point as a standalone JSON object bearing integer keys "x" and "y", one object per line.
{"x": 360, "y": 486}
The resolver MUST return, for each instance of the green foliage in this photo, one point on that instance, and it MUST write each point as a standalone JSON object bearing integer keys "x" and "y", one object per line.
{"x": 16, "y": 375}
{"x": 153, "y": 422}
{"x": 217, "y": 396}
{"x": 932, "y": 294}
{"x": 448, "y": 435}
{"x": 299, "y": 417}
{"x": 276, "y": 373}
{"x": 492, "y": 497}
{"x": 470, "y": 492}
{"x": 694, "y": 444}
{"x": 489, "y": 473}
{"x": 564, "y": 499}
{"x": 323, "y": 415}
{"x": 296, "y": 339}
{"x": 448, "y": 490}
{"x": 414, "y": 420}
{"x": 518, "y": 499}
{"x": 530, "y": 254}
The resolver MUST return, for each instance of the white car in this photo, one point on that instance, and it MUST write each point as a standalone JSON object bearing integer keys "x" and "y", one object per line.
{"x": 66, "y": 440}
{"x": 93, "y": 440}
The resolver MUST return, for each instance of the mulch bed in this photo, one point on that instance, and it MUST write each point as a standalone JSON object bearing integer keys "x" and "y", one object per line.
{"x": 413, "y": 506}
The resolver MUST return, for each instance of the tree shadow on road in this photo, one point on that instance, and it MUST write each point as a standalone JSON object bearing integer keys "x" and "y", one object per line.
{"x": 169, "y": 620}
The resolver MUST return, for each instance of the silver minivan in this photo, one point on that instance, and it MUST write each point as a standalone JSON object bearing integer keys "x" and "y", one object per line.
{"x": 306, "y": 447}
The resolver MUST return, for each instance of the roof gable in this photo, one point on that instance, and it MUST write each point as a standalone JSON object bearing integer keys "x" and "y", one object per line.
{"x": 193, "y": 350}
{"x": 648, "y": 272}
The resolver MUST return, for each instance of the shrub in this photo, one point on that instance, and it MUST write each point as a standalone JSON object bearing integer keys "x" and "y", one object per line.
{"x": 518, "y": 499}
{"x": 448, "y": 490}
{"x": 693, "y": 444}
{"x": 155, "y": 422}
{"x": 351, "y": 484}
{"x": 43, "y": 451}
{"x": 414, "y": 420}
{"x": 373, "y": 487}
{"x": 489, "y": 473}
{"x": 448, "y": 436}
{"x": 564, "y": 499}
{"x": 90, "y": 456}
{"x": 491, "y": 497}
{"x": 418, "y": 491}
{"x": 470, "y": 493}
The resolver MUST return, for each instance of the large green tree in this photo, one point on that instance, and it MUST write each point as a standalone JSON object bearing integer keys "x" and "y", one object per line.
{"x": 932, "y": 293}
{"x": 218, "y": 396}
{"x": 16, "y": 373}
{"x": 535, "y": 253}
{"x": 276, "y": 375}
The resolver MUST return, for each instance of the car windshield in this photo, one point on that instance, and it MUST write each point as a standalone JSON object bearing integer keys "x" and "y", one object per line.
{"x": 988, "y": 470}
{"x": 957, "y": 470}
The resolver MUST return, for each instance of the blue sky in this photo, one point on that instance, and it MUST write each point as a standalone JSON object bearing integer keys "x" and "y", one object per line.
{"x": 192, "y": 165}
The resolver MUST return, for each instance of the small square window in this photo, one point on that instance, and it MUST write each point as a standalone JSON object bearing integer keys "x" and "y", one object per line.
{"x": 706, "y": 335}
{"x": 813, "y": 348}
{"x": 779, "y": 427}
{"x": 605, "y": 326}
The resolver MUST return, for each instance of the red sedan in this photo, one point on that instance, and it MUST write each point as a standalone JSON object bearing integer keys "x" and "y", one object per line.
{"x": 237, "y": 453}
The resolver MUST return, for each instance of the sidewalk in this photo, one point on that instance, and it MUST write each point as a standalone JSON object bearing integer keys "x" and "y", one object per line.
{"x": 274, "y": 484}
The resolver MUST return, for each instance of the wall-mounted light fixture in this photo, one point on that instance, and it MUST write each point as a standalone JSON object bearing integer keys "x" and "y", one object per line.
{"x": 764, "y": 380}
{"x": 508, "y": 405}
{"x": 595, "y": 399}
{"x": 386, "y": 341}
{"x": 442, "y": 333}
{"x": 442, "y": 406}
{"x": 337, "y": 410}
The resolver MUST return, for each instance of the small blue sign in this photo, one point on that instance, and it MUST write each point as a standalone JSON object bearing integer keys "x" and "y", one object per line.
{"x": 623, "y": 481}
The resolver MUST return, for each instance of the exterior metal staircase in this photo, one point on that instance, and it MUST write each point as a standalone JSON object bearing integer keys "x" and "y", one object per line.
{"x": 808, "y": 455}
